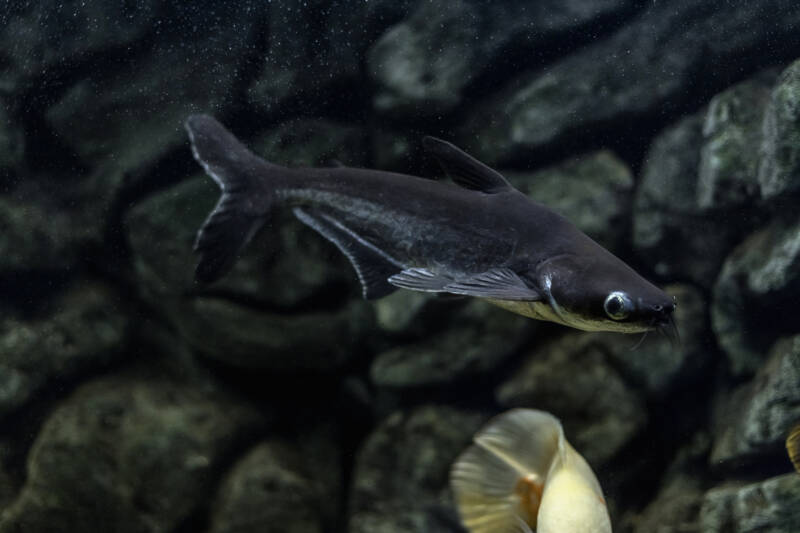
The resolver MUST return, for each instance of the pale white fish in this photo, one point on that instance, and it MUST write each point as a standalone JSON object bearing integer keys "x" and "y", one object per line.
{"x": 521, "y": 475}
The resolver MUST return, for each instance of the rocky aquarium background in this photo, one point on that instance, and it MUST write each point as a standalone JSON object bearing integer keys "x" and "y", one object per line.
{"x": 132, "y": 400}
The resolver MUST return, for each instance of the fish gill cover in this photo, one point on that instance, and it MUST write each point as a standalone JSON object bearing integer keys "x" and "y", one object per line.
{"x": 276, "y": 399}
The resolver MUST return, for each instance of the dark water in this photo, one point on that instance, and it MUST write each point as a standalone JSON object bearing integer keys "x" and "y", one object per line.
{"x": 133, "y": 399}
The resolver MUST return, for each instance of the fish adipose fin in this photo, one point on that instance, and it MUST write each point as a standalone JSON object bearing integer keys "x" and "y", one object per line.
{"x": 372, "y": 265}
{"x": 245, "y": 201}
{"x": 496, "y": 283}
{"x": 464, "y": 169}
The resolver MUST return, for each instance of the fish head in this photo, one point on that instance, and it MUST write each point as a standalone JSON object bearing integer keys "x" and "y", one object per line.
{"x": 602, "y": 293}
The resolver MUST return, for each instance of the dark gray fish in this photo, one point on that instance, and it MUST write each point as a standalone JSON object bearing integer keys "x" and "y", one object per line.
{"x": 478, "y": 237}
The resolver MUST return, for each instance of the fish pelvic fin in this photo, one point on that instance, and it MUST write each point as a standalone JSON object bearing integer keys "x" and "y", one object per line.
{"x": 246, "y": 199}
{"x": 464, "y": 169}
{"x": 793, "y": 446}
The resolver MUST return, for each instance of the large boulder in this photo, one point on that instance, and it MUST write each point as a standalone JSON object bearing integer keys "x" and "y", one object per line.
{"x": 756, "y": 293}
{"x": 752, "y": 422}
{"x": 84, "y": 333}
{"x": 613, "y": 80}
{"x": 401, "y": 477}
{"x": 769, "y": 505}
{"x": 128, "y": 454}
{"x": 424, "y": 64}
{"x": 779, "y": 171}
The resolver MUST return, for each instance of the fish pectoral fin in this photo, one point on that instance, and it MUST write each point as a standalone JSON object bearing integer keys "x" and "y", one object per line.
{"x": 464, "y": 169}
{"x": 372, "y": 265}
{"x": 420, "y": 279}
{"x": 496, "y": 283}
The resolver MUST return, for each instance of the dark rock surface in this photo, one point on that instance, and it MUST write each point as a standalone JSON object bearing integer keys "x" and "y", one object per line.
{"x": 478, "y": 338}
{"x": 400, "y": 482}
{"x": 614, "y": 79}
{"x": 755, "y": 418}
{"x": 86, "y": 331}
{"x": 127, "y": 454}
{"x": 780, "y": 164}
{"x": 769, "y": 505}
{"x": 758, "y": 285}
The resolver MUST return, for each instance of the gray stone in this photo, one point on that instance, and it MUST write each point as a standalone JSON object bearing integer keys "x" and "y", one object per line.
{"x": 127, "y": 454}
{"x": 480, "y": 338}
{"x": 760, "y": 276}
{"x": 755, "y": 419}
{"x": 593, "y": 191}
{"x": 277, "y": 487}
{"x": 85, "y": 332}
{"x": 424, "y": 64}
{"x": 671, "y": 233}
{"x": 769, "y": 505}
{"x": 779, "y": 171}
{"x": 572, "y": 378}
{"x": 614, "y": 78}
{"x": 399, "y": 312}
{"x": 657, "y": 364}
{"x": 37, "y": 38}
{"x": 401, "y": 477}
{"x": 239, "y": 335}
{"x": 728, "y": 174}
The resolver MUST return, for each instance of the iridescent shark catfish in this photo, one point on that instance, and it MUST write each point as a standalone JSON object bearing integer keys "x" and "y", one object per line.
{"x": 477, "y": 237}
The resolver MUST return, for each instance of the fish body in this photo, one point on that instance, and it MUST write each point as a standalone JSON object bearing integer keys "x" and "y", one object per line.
{"x": 793, "y": 446}
{"x": 521, "y": 475}
{"x": 476, "y": 237}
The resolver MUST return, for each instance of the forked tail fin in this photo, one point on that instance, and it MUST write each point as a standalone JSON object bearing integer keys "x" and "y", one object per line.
{"x": 247, "y": 194}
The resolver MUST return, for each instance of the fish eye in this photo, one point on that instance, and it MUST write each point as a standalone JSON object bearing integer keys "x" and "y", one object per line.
{"x": 617, "y": 305}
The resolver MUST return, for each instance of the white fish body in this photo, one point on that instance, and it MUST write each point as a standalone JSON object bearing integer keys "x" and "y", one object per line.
{"x": 521, "y": 475}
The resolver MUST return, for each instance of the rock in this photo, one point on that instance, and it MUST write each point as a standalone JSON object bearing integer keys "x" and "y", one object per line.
{"x": 399, "y": 313}
{"x": 127, "y": 454}
{"x": 84, "y": 333}
{"x": 666, "y": 211}
{"x": 657, "y": 365}
{"x": 312, "y": 143}
{"x": 755, "y": 293}
{"x": 769, "y": 505}
{"x": 37, "y": 39}
{"x": 572, "y": 379}
{"x": 729, "y": 158}
{"x": 424, "y": 64}
{"x": 273, "y": 487}
{"x": 480, "y": 338}
{"x": 401, "y": 477}
{"x": 676, "y": 506}
{"x": 754, "y": 420}
{"x": 779, "y": 171}
{"x": 592, "y": 191}
{"x": 243, "y": 336}
{"x": 612, "y": 81}
{"x": 314, "y": 52}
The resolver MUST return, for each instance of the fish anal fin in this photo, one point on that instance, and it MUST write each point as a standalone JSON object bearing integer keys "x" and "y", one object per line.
{"x": 464, "y": 169}
{"x": 373, "y": 266}
{"x": 497, "y": 284}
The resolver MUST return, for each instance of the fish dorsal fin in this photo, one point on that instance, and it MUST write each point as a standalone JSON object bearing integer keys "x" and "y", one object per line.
{"x": 464, "y": 169}
{"x": 372, "y": 265}
{"x": 495, "y": 283}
